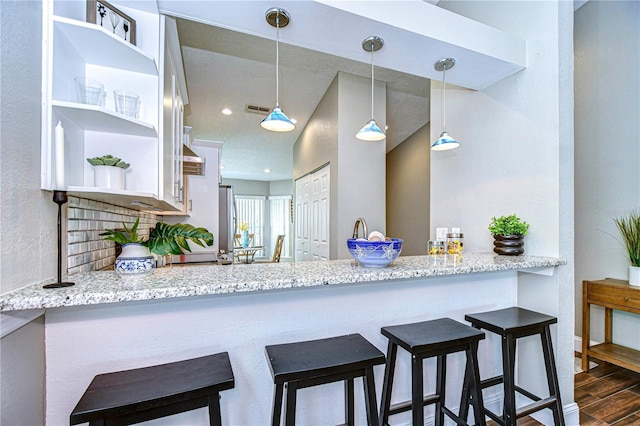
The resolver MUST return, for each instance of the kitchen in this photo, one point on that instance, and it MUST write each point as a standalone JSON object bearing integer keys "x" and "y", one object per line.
{"x": 454, "y": 194}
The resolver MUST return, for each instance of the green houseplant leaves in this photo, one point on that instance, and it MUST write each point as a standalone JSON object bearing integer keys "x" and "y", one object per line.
{"x": 163, "y": 239}
{"x": 508, "y": 225}
{"x": 629, "y": 227}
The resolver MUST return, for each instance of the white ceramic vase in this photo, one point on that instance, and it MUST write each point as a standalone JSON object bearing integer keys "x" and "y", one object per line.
{"x": 634, "y": 275}
{"x": 110, "y": 177}
{"x": 134, "y": 259}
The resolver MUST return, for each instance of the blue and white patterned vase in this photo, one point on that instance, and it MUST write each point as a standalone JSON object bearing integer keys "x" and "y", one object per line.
{"x": 134, "y": 259}
{"x": 244, "y": 239}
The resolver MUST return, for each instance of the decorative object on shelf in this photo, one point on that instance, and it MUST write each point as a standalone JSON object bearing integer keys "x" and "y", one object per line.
{"x": 127, "y": 103}
{"x": 455, "y": 243}
{"x": 90, "y": 92}
{"x": 60, "y": 198}
{"x": 277, "y": 121}
{"x": 629, "y": 227}
{"x": 164, "y": 239}
{"x": 108, "y": 172}
{"x": 105, "y": 15}
{"x": 508, "y": 233}
{"x": 371, "y": 131}
{"x": 445, "y": 141}
{"x": 244, "y": 234}
{"x": 374, "y": 254}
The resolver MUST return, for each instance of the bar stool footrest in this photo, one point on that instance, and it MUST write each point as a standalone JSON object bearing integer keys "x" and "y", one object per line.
{"x": 401, "y": 407}
{"x": 492, "y": 381}
{"x": 535, "y": 406}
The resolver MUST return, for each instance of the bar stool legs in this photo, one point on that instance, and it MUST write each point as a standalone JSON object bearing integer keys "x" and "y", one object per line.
{"x": 436, "y": 338}
{"x": 511, "y": 324}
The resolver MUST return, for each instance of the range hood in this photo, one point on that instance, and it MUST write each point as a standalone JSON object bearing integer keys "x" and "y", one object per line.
{"x": 191, "y": 163}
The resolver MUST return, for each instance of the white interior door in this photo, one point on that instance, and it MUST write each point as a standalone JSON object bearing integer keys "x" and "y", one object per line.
{"x": 302, "y": 200}
{"x": 320, "y": 214}
{"x": 312, "y": 216}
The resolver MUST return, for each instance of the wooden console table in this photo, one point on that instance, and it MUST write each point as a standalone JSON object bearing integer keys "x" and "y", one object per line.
{"x": 612, "y": 294}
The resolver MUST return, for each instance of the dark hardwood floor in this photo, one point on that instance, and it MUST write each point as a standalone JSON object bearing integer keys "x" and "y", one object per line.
{"x": 608, "y": 395}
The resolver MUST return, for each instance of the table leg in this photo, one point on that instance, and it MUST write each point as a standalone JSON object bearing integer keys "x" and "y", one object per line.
{"x": 586, "y": 322}
{"x": 608, "y": 325}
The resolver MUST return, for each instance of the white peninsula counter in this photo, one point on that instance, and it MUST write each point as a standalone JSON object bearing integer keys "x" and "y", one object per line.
{"x": 108, "y": 322}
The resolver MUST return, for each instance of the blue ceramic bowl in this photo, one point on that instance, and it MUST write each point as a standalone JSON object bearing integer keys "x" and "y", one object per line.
{"x": 374, "y": 254}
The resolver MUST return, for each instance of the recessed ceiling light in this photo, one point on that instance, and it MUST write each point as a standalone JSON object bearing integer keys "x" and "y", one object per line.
{"x": 226, "y": 111}
{"x": 386, "y": 127}
{"x": 267, "y": 170}
{"x": 221, "y": 166}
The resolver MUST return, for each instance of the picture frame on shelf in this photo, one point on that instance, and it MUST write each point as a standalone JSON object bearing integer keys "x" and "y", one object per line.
{"x": 102, "y": 13}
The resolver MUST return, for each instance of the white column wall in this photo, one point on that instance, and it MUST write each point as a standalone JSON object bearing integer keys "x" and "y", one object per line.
{"x": 28, "y": 232}
{"x": 516, "y": 157}
{"x": 607, "y": 128}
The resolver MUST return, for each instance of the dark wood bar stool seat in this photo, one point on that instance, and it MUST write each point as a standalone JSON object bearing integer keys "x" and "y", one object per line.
{"x": 511, "y": 324}
{"x": 133, "y": 396}
{"x": 316, "y": 362}
{"x": 436, "y": 338}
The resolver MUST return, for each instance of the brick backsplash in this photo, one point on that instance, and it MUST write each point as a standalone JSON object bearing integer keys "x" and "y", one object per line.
{"x": 86, "y": 219}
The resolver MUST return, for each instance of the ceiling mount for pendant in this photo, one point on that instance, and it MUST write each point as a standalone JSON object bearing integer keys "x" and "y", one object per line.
{"x": 274, "y": 14}
{"x": 372, "y": 44}
{"x": 444, "y": 64}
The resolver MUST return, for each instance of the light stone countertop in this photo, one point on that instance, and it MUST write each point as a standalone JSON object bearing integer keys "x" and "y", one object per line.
{"x": 199, "y": 280}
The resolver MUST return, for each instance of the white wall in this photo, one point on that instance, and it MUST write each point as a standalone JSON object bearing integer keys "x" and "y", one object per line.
{"x": 607, "y": 125}
{"x": 361, "y": 171}
{"x": 516, "y": 157}
{"x": 27, "y": 215}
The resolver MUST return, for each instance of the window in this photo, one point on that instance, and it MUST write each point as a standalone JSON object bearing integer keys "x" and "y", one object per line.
{"x": 280, "y": 208}
{"x": 250, "y": 209}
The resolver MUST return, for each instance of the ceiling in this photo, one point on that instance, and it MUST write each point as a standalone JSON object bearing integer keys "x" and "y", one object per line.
{"x": 225, "y": 68}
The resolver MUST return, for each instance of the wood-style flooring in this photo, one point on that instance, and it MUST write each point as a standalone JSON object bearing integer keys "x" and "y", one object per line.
{"x": 606, "y": 395}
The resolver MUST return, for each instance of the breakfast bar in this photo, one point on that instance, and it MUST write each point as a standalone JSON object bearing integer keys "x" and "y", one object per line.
{"x": 109, "y": 322}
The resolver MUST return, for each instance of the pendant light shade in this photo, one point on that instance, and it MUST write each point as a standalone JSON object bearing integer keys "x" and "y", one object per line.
{"x": 445, "y": 141}
{"x": 277, "y": 121}
{"x": 371, "y": 131}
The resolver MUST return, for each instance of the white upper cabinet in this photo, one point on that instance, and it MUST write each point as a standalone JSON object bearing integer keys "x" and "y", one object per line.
{"x": 75, "y": 49}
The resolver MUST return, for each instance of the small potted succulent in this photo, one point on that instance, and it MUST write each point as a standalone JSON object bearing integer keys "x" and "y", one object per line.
{"x": 108, "y": 171}
{"x": 629, "y": 227}
{"x": 164, "y": 239}
{"x": 508, "y": 233}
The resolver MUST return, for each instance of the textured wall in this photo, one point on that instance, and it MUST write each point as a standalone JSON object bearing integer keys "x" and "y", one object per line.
{"x": 408, "y": 192}
{"x": 607, "y": 127}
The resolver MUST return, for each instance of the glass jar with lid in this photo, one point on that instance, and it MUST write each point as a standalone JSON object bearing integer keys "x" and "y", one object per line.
{"x": 455, "y": 243}
{"x": 435, "y": 247}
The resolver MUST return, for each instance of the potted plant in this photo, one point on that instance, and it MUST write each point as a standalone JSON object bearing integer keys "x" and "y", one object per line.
{"x": 108, "y": 171}
{"x": 629, "y": 227}
{"x": 164, "y": 239}
{"x": 508, "y": 233}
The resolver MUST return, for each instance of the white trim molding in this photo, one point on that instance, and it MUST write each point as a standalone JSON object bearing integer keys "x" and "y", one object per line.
{"x": 11, "y": 321}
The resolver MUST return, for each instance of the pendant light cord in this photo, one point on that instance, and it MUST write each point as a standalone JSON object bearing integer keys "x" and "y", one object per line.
{"x": 444, "y": 87}
{"x": 278, "y": 59}
{"x": 372, "y": 76}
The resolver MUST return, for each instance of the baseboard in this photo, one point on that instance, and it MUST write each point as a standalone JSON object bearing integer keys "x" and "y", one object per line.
{"x": 577, "y": 343}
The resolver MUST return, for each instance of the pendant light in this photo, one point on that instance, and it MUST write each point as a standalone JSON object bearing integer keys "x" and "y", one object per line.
{"x": 277, "y": 121}
{"x": 371, "y": 131}
{"x": 445, "y": 141}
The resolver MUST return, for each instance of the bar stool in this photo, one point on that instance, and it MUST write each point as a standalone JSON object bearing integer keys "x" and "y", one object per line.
{"x": 436, "y": 338}
{"x": 317, "y": 362}
{"x": 133, "y": 396}
{"x": 511, "y": 324}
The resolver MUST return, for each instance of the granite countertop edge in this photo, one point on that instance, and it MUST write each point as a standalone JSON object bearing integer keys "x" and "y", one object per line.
{"x": 101, "y": 287}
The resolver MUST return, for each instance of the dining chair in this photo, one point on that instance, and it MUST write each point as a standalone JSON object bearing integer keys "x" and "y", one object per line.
{"x": 277, "y": 251}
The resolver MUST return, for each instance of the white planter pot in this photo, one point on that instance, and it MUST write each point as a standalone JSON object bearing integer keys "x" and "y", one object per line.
{"x": 634, "y": 275}
{"x": 134, "y": 259}
{"x": 108, "y": 177}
